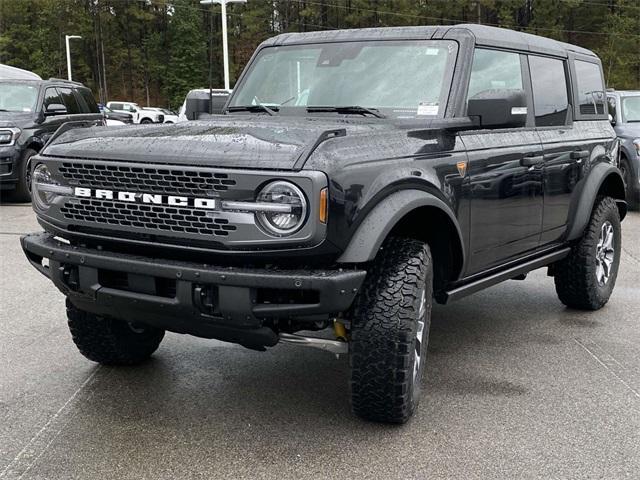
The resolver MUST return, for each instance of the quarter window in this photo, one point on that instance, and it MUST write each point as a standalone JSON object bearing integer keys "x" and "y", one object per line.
{"x": 494, "y": 70}
{"x": 550, "y": 98}
{"x": 591, "y": 96}
{"x": 69, "y": 100}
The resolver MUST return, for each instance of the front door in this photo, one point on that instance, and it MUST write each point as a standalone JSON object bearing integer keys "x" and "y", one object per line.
{"x": 504, "y": 172}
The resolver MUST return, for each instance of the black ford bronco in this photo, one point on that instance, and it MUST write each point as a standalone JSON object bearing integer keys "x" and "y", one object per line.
{"x": 356, "y": 177}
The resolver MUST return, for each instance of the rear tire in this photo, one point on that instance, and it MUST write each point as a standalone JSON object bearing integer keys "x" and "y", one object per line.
{"x": 22, "y": 193}
{"x": 585, "y": 279}
{"x": 110, "y": 341}
{"x": 390, "y": 332}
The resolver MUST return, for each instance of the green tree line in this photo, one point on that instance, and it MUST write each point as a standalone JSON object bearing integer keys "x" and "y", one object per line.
{"x": 154, "y": 51}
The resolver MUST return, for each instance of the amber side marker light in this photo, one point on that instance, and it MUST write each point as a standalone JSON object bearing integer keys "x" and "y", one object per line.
{"x": 324, "y": 205}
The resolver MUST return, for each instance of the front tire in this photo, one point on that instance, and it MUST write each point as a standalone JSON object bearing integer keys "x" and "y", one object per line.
{"x": 146, "y": 121}
{"x": 22, "y": 192}
{"x": 627, "y": 177}
{"x": 390, "y": 332}
{"x": 585, "y": 279}
{"x": 110, "y": 341}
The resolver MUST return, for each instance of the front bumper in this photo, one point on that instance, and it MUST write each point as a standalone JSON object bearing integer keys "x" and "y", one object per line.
{"x": 228, "y": 303}
{"x": 9, "y": 158}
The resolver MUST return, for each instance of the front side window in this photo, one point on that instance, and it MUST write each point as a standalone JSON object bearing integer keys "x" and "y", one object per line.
{"x": 402, "y": 79}
{"x": 17, "y": 97}
{"x": 631, "y": 109}
{"x": 52, "y": 97}
{"x": 550, "y": 98}
{"x": 69, "y": 100}
{"x": 494, "y": 70}
{"x": 591, "y": 95}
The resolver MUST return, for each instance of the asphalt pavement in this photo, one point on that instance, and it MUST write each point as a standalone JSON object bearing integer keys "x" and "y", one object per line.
{"x": 518, "y": 387}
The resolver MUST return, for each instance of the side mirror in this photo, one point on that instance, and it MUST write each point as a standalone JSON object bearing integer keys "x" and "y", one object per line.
{"x": 56, "y": 109}
{"x": 612, "y": 120}
{"x": 499, "y": 108}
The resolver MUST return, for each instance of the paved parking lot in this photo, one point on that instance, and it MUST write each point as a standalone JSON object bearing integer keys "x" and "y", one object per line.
{"x": 518, "y": 387}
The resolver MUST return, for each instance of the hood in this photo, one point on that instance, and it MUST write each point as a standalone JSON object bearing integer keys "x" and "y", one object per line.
{"x": 628, "y": 130}
{"x": 15, "y": 119}
{"x": 258, "y": 142}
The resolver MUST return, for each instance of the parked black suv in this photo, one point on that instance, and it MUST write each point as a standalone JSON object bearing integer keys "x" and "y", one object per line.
{"x": 624, "y": 114}
{"x": 30, "y": 112}
{"x": 358, "y": 175}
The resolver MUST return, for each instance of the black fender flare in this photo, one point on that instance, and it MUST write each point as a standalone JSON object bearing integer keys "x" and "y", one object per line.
{"x": 582, "y": 204}
{"x": 370, "y": 234}
{"x": 35, "y": 143}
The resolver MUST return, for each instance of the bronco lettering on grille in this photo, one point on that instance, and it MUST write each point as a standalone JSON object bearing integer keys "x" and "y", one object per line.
{"x": 148, "y": 198}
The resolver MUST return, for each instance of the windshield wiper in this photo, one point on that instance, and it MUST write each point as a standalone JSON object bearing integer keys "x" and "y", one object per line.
{"x": 253, "y": 108}
{"x": 348, "y": 109}
{"x": 258, "y": 107}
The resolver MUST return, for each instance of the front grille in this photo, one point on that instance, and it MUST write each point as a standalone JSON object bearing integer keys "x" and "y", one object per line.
{"x": 151, "y": 217}
{"x": 170, "y": 181}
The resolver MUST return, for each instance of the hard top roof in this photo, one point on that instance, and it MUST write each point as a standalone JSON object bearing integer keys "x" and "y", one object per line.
{"x": 484, "y": 35}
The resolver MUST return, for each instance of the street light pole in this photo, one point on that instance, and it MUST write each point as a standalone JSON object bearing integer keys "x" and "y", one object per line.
{"x": 66, "y": 41}
{"x": 225, "y": 47}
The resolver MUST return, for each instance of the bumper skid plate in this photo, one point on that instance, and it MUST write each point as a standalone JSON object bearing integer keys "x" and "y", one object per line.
{"x": 226, "y": 303}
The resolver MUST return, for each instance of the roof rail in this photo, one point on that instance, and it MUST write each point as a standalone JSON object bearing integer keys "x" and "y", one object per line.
{"x": 53, "y": 79}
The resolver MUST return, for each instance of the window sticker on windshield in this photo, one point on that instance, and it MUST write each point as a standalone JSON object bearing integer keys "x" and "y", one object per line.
{"x": 432, "y": 51}
{"x": 427, "y": 109}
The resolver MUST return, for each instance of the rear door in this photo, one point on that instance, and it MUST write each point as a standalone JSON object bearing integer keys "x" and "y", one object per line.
{"x": 553, "y": 120}
{"x": 568, "y": 143}
{"x": 505, "y": 171}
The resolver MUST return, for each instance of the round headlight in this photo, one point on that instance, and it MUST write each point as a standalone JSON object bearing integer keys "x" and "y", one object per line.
{"x": 285, "y": 208}
{"x": 42, "y": 177}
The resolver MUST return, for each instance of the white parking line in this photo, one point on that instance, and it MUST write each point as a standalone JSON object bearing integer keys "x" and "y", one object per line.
{"x": 614, "y": 367}
{"x": 40, "y": 442}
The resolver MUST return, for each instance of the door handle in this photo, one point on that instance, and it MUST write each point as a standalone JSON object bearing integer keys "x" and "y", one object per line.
{"x": 579, "y": 154}
{"x": 531, "y": 160}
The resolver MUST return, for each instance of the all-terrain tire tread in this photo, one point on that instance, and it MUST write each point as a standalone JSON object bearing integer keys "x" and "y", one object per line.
{"x": 383, "y": 331}
{"x": 100, "y": 339}
{"x": 575, "y": 278}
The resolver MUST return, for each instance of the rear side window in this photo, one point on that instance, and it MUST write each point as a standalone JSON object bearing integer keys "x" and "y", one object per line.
{"x": 494, "y": 70}
{"x": 116, "y": 106}
{"x": 550, "y": 98}
{"x": 87, "y": 96}
{"x": 69, "y": 100}
{"x": 591, "y": 96}
{"x": 51, "y": 97}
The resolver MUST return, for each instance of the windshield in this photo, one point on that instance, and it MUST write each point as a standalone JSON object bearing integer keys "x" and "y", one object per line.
{"x": 631, "y": 109}
{"x": 18, "y": 97}
{"x": 402, "y": 79}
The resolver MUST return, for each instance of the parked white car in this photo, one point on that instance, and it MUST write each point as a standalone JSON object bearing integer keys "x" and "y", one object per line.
{"x": 140, "y": 115}
{"x": 15, "y": 73}
{"x": 169, "y": 116}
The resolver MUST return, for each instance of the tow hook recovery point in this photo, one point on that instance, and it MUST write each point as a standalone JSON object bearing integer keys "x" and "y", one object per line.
{"x": 336, "y": 347}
